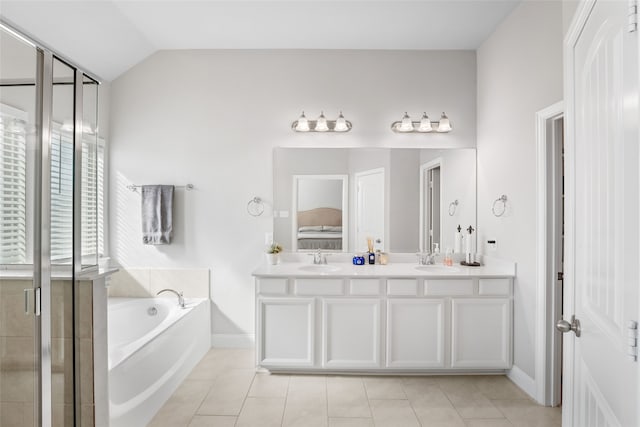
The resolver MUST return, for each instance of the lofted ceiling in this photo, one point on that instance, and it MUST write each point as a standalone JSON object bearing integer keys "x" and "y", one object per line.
{"x": 107, "y": 37}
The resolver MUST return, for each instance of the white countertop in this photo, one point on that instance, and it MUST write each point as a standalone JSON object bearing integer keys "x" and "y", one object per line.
{"x": 400, "y": 269}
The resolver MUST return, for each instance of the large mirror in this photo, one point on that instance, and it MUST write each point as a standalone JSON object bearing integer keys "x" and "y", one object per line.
{"x": 403, "y": 199}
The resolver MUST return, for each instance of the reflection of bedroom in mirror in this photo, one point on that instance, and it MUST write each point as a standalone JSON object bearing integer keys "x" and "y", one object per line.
{"x": 320, "y": 212}
{"x": 384, "y": 200}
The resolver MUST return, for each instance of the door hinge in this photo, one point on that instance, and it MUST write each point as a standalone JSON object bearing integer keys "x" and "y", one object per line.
{"x": 632, "y": 16}
{"x": 560, "y": 275}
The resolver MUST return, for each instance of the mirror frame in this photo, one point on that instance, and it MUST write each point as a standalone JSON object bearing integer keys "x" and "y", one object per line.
{"x": 345, "y": 210}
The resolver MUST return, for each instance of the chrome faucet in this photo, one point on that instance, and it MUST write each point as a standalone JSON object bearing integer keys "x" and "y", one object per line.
{"x": 178, "y": 294}
{"x": 425, "y": 258}
{"x": 319, "y": 257}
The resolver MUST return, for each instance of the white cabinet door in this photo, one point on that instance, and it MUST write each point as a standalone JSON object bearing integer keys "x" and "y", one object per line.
{"x": 351, "y": 333}
{"x": 481, "y": 333}
{"x": 285, "y": 331}
{"x": 415, "y": 333}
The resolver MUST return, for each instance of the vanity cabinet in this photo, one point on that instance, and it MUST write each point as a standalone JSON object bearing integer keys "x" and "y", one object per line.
{"x": 350, "y": 333}
{"x": 481, "y": 333}
{"x": 415, "y": 335}
{"x": 378, "y": 324}
{"x": 287, "y": 329}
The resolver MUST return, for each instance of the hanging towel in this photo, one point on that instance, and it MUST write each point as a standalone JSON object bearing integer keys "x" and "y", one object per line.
{"x": 157, "y": 217}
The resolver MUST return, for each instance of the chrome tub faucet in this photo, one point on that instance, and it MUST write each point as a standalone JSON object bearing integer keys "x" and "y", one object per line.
{"x": 178, "y": 294}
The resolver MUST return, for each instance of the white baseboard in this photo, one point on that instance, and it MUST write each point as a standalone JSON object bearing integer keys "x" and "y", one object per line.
{"x": 524, "y": 381}
{"x": 233, "y": 340}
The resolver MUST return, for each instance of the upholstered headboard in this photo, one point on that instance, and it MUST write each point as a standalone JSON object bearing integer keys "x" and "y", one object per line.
{"x": 320, "y": 216}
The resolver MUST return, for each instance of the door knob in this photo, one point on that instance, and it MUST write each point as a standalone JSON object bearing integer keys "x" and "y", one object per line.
{"x": 564, "y": 326}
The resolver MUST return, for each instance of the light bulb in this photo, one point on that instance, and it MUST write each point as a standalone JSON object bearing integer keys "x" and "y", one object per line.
{"x": 406, "y": 125}
{"x": 425, "y": 124}
{"x": 341, "y": 124}
{"x": 303, "y": 124}
{"x": 321, "y": 124}
{"x": 444, "y": 125}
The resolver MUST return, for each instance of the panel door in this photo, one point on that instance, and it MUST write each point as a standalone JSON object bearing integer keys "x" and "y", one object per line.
{"x": 285, "y": 328}
{"x": 481, "y": 333}
{"x": 601, "y": 374}
{"x": 351, "y": 333}
{"x": 415, "y": 333}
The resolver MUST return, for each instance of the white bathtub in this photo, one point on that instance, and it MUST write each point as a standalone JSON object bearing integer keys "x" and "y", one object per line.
{"x": 153, "y": 345}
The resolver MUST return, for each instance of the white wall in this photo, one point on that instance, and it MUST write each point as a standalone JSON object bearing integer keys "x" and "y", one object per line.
{"x": 212, "y": 118}
{"x": 519, "y": 73}
{"x": 314, "y": 193}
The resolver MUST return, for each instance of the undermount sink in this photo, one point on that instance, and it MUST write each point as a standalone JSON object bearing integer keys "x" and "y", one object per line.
{"x": 320, "y": 268}
{"x": 438, "y": 269}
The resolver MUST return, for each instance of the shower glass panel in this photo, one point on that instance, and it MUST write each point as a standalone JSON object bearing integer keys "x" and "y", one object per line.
{"x": 19, "y": 333}
{"x": 62, "y": 289}
{"x": 90, "y": 173}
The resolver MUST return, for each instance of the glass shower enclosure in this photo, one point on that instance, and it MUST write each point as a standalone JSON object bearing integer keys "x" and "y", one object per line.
{"x": 49, "y": 232}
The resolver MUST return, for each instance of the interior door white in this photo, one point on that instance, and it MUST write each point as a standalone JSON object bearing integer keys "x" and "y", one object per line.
{"x": 601, "y": 380}
{"x": 369, "y": 207}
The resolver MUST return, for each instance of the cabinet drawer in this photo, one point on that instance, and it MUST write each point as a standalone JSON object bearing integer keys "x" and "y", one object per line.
{"x": 319, "y": 287}
{"x": 272, "y": 286}
{"x": 448, "y": 287}
{"x": 364, "y": 287}
{"x": 402, "y": 287}
{"x": 494, "y": 287}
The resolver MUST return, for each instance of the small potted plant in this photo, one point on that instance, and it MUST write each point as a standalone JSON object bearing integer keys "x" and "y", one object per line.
{"x": 273, "y": 253}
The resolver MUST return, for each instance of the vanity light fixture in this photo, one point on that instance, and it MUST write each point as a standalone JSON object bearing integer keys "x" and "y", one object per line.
{"x": 425, "y": 125}
{"x": 321, "y": 124}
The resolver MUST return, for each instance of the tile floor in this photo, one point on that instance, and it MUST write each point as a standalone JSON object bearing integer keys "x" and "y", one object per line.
{"x": 224, "y": 390}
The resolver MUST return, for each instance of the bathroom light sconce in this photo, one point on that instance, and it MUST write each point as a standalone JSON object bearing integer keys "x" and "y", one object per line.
{"x": 425, "y": 125}
{"x": 321, "y": 124}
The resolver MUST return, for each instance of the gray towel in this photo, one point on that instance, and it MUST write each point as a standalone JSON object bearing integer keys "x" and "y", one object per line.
{"x": 157, "y": 217}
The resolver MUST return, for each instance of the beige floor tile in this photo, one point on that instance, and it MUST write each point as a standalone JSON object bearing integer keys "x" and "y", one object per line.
{"x": 488, "y": 423}
{"x": 269, "y": 385}
{"x": 499, "y": 387}
{"x": 384, "y": 388}
{"x": 236, "y": 358}
{"x": 439, "y": 417}
{"x": 207, "y": 369}
{"x": 347, "y": 397}
{"x": 350, "y": 422}
{"x": 473, "y": 404}
{"x": 227, "y": 393}
{"x": 191, "y": 391}
{"x": 426, "y": 395}
{"x": 306, "y": 403}
{"x": 393, "y": 413}
{"x": 307, "y": 385}
{"x": 212, "y": 421}
{"x": 261, "y": 412}
{"x": 308, "y": 415}
{"x": 174, "y": 415}
{"x": 457, "y": 383}
{"x": 526, "y": 413}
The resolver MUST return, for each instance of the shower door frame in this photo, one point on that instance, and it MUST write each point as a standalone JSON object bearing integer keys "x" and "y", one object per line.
{"x": 42, "y": 269}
